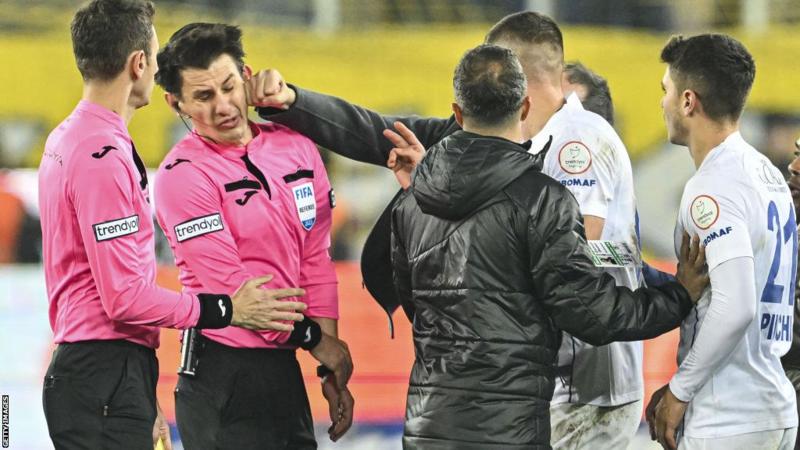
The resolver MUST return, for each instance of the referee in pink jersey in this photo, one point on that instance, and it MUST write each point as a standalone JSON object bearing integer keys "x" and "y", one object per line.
{"x": 236, "y": 198}
{"x": 99, "y": 260}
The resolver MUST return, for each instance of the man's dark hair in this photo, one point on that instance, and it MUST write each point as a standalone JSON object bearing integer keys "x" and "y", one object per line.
{"x": 197, "y": 45}
{"x": 598, "y": 95}
{"x": 715, "y": 66}
{"x": 105, "y": 32}
{"x": 489, "y": 85}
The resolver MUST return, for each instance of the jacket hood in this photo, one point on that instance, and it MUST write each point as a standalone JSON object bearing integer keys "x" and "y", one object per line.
{"x": 464, "y": 170}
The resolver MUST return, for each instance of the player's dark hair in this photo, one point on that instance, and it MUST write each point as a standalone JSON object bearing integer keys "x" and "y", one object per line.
{"x": 197, "y": 45}
{"x": 106, "y": 32}
{"x": 598, "y": 95}
{"x": 527, "y": 27}
{"x": 489, "y": 85}
{"x": 715, "y": 66}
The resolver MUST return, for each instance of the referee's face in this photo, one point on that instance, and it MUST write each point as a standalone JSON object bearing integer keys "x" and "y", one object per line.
{"x": 215, "y": 100}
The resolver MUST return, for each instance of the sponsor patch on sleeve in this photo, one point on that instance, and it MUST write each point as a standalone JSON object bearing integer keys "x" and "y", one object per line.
{"x": 198, "y": 227}
{"x": 113, "y": 229}
{"x": 306, "y": 204}
{"x": 574, "y": 157}
{"x": 704, "y": 211}
{"x": 579, "y": 182}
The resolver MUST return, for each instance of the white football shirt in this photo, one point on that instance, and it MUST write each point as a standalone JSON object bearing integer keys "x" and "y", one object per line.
{"x": 740, "y": 207}
{"x": 587, "y": 156}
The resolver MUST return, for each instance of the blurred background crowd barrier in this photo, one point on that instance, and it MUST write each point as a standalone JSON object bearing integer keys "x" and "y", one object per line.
{"x": 394, "y": 56}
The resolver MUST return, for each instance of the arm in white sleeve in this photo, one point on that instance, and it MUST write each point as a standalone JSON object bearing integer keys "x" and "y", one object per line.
{"x": 732, "y": 309}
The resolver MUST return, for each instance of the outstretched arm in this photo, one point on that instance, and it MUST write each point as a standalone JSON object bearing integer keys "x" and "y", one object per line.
{"x": 336, "y": 124}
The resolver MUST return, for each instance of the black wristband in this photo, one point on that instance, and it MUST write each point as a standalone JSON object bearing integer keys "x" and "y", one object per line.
{"x": 306, "y": 334}
{"x": 323, "y": 371}
{"x": 216, "y": 311}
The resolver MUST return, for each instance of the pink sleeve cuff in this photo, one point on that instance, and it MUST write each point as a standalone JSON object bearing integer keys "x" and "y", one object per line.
{"x": 322, "y": 300}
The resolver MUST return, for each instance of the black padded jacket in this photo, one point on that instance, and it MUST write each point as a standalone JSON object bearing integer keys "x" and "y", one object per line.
{"x": 490, "y": 256}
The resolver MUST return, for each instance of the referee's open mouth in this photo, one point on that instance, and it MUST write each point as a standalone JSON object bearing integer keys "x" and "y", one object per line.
{"x": 230, "y": 124}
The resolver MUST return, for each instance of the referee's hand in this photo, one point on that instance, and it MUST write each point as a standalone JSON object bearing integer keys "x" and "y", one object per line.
{"x": 334, "y": 354}
{"x": 262, "y": 309}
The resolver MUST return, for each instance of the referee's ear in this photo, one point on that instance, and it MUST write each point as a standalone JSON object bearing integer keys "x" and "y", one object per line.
{"x": 247, "y": 72}
{"x": 172, "y": 102}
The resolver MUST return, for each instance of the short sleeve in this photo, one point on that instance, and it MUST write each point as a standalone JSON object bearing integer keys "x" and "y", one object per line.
{"x": 587, "y": 166}
{"x": 716, "y": 213}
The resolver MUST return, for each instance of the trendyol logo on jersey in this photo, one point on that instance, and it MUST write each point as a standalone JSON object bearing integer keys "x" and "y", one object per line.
{"x": 116, "y": 228}
{"x": 574, "y": 157}
{"x": 198, "y": 227}
{"x": 581, "y": 182}
{"x": 306, "y": 204}
{"x": 704, "y": 211}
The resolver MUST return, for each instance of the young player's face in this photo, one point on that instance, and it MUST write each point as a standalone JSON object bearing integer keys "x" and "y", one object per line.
{"x": 215, "y": 100}
{"x": 143, "y": 87}
{"x": 670, "y": 105}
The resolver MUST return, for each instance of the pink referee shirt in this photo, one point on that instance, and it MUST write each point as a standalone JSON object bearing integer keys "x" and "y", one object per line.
{"x": 97, "y": 236}
{"x": 225, "y": 226}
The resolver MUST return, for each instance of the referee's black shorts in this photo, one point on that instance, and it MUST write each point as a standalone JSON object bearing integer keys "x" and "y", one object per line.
{"x": 244, "y": 399}
{"x": 101, "y": 395}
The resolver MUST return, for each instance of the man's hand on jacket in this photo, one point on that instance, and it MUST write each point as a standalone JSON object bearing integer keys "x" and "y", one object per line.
{"x": 692, "y": 268}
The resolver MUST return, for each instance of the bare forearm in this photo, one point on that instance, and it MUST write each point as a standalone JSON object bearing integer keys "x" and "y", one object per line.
{"x": 328, "y": 326}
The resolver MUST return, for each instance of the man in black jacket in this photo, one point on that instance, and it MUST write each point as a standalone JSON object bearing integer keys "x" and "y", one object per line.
{"x": 602, "y": 386}
{"x": 490, "y": 254}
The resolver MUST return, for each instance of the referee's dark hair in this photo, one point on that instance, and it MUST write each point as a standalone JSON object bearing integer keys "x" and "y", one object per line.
{"x": 598, "y": 95}
{"x": 105, "y": 32}
{"x": 197, "y": 45}
{"x": 489, "y": 85}
{"x": 715, "y": 66}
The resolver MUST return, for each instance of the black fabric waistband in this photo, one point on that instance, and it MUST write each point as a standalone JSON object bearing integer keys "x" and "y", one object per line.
{"x": 109, "y": 344}
{"x": 277, "y": 353}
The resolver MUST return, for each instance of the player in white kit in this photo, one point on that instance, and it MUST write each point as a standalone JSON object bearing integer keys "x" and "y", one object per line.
{"x": 596, "y": 384}
{"x": 730, "y": 391}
